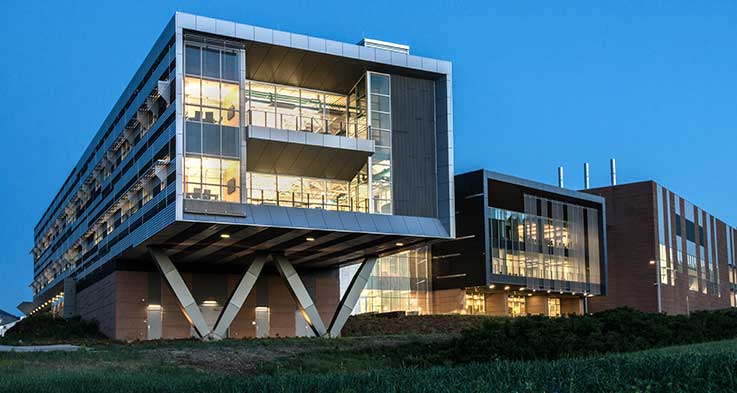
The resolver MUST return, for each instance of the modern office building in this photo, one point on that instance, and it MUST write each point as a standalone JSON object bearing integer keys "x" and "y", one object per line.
{"x": 238, "y": 170}
{"x": 522, "y": 248}
{"x": 665, "y": 254}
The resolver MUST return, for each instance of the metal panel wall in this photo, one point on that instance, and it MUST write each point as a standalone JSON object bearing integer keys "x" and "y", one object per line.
{"x": 413, "y": 140}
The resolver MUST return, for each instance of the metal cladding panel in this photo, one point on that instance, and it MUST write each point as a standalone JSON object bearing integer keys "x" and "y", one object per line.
{"x": 327, "y": 220}
{"x": 415, "y": 181}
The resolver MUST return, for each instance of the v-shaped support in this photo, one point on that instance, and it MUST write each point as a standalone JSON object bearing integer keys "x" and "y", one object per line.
{"x": 306, "y": 304}
{"x": 238, "y": 297}
{"x": 300, "y": 295}
{"x": 189, "y": 306}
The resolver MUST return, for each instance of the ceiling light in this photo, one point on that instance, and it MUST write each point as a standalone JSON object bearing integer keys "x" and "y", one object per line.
{"x": 310, "y": 239}
{"x": 225, "y": 236}
{"x": 652, "y": 262}
{"x": 491, "y": 286}
{"x": 399, "y": 244}
{"x": 506, "y": 288}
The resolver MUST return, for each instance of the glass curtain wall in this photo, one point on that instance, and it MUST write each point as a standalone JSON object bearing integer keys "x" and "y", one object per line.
{"x": 304, "y": 192}
{"x": 399, "y": 282}
{"x": 381, "y": 133}
{"x": 212, "y": 123}
{"x": 298, "y": 109}
{"x": 548, "y": 244}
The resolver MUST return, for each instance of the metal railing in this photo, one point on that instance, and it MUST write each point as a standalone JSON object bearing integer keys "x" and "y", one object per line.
{"x": 306, "y": 123}
{"x": 308, "y": 201}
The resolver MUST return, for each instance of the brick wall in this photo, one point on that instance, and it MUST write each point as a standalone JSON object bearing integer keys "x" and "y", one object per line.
{"x": 97, "y": 303}
{"x": 631, "y": 218}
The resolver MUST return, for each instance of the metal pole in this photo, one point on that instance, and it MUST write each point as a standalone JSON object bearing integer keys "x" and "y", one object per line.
{"x": 613, "y": 166}
{"x": 657, "y": 283}
{"x": 586, "y": 175}
{"x": 560, "y": 177}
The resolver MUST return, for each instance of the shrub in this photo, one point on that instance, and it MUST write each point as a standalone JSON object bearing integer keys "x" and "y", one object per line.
{"x": 48, "y": 329}
{"x": 618, "y": 330}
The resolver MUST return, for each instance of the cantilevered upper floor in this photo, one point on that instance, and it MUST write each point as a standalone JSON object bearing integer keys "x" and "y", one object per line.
{"x": 232, "y": 138}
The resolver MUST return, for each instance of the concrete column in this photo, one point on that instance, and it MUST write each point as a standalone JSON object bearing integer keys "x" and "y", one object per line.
{"x": 300, "y": 295}
{"x": 238, "y": 297}
{"x": 189, "y": 307}
{"x": 351, "y": 296}
{"x": 70, "y": 297}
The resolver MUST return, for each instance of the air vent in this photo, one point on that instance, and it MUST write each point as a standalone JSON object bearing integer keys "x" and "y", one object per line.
{"x": 390, "y": 46}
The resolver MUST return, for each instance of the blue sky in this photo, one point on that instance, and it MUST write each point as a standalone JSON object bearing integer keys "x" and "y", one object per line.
{"x": 536, "y": 85}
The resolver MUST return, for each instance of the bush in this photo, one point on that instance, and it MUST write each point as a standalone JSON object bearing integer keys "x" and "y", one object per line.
{"x": 41, "y": 329}
{"x": 618, "y": 330}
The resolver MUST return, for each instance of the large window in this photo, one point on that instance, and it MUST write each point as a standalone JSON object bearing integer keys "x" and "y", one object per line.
{"x": 297, "y": 109}
{"x": 212, "y": 124}
{"x": 212, "y": 178}
{"x": 305, "y": 192}
{"x": 399, "y": 282}
{"x": 381, "y": 133}
{"x": 555, "y": 245}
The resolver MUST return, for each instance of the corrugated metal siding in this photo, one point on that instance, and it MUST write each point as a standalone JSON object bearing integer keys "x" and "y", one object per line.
{"x": 413, "y": 147}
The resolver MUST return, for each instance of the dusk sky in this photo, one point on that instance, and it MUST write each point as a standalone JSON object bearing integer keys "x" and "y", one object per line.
{"x": 536, "y": 85}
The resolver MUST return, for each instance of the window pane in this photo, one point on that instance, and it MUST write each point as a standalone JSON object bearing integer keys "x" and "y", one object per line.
{"x": 192, "y": 112}
{"x": 230, "y": 118}
{"x": 192, "y": 138}
{"x": 380, "y": 84}
{"x": 231, "y": 142}
{"x": 211, "y": 139}
{"x": 211, "y": 63}
{"x": 210, "y": 93}
{"x": 230, "y": 96}
{"x": 231, "y": 181}
{"x": 210, "y": 115}
{"x": 192, "y": 92}
{"x": 230, "y": 66}
{"x": 380, "y": 103}
{"x": 192, "y": 177}
{"x": 192, "y": 58}
{"x": 381, "y": 120}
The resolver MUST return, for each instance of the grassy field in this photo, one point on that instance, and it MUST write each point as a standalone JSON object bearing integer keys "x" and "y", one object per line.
{"x": 356, "y": 365}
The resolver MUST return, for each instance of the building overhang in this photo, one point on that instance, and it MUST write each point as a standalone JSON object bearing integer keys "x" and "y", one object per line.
{"x": 310, "y": 238}
{"x": 299, "y": 153}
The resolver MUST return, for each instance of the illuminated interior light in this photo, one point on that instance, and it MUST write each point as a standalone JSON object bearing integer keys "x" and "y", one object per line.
{"x": 399, "y": 244}
{"x": 310, "y": 239}
{"x": 209, "y": 303}
{"x": 225, "y": 236}
{"x": 154, "y": 307}
{"x": 506, "y": 288}
{"x": 492, "y": 286}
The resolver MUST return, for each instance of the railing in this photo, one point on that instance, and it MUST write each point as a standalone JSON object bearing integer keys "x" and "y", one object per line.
{"x": 306, "y": 123}
{"x": 308, "y": 201}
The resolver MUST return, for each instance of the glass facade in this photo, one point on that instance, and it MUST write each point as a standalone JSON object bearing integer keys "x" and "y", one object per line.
{"x": 554, "y": 244}
{"x": 212, "y": 136}
{"x": 381, "y": 133}
{"x": 299, "y": 109}
{"x": 304, "y": 192}
{"x": 399, "y": 282}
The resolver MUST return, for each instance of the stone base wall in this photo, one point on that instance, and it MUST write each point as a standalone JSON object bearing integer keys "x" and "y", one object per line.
{"x": 119, "y": 303}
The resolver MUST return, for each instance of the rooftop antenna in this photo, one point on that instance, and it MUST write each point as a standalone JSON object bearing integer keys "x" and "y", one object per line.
{"x": 560, "y": 177}
{"x": 586, "y": 176}
{"x": 613, "y": 165}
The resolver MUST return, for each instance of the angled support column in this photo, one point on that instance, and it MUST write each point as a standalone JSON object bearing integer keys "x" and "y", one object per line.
{"x": 176, "y": 283}
{"x": 300, "y": 295}
{"x": 351, "y": 296}
{"x": 238, "y": 297}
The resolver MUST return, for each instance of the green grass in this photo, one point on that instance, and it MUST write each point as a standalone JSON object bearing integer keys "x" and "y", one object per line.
{"x": 709, "y": 367}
